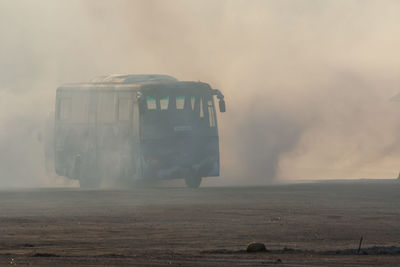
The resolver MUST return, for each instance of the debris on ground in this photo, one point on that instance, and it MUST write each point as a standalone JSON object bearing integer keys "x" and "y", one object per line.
{"x": 256, "y": 247}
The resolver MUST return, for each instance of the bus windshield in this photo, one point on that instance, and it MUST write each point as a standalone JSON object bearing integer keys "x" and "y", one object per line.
{"x": 177, "y": 113}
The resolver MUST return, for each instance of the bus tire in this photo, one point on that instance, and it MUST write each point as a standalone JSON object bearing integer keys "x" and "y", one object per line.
{"x": 193, "y": 181}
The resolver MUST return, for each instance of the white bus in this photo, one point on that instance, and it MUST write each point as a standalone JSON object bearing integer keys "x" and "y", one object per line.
{"x": 136, "y": 128}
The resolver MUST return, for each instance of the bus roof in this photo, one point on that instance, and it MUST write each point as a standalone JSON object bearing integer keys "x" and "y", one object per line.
{"x": 134, "y": 78}
{"x": 131, "y": 81}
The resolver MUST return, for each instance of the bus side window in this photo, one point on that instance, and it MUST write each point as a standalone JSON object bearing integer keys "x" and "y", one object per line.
{"x": 151, "y": 103}
{"x": 106, "y": 108}
{"x": 180, "y": 102}
{"x": 79, "y": 111}
{"x": 164, "y": 103}
{"x": 92, "y": 104}
{"x": 124, "y": 109}
{"x": 64, "y": 108}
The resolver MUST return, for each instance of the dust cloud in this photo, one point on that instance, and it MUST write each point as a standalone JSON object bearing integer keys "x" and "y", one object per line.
{"x": 307, "y": 83}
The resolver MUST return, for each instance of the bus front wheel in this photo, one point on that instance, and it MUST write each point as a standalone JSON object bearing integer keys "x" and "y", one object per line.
{"x": 193, "y": 181}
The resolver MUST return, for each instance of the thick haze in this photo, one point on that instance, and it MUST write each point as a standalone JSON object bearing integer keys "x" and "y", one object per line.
{"x": 307, "y": 83}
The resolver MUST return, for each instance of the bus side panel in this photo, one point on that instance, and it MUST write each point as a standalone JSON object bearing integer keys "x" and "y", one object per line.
{"x": 97, "y": 135}
{"x": 71, "y": 131}
{"x": 114, "y": 134}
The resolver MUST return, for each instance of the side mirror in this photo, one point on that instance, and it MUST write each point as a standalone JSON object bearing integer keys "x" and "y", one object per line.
{"x": 222, "y": 107}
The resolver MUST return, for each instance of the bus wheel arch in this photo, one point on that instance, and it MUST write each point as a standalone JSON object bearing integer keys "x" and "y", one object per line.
{"x": 193, "y": 181}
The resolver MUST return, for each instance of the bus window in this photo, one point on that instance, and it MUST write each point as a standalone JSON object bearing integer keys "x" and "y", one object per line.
{"x": 64, "y": 108}
{"x": 192, "y": 99}
{"x": 211, "y": 115}
{"x": 106, "y": 108}
{"x": 79, "y": 110}
{"x": 92, "y": 106}
{"x": 151, "y": 103}
{"x": 124, "y": 109}
{"x": 180, "y": 102}
{"x": 164, "y": 103}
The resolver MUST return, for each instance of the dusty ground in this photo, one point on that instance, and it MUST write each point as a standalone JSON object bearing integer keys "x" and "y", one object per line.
{"x": 206, "y": 227}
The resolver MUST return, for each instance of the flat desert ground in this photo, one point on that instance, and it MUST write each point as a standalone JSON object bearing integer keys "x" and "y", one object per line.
{"x": 309, "y": 224}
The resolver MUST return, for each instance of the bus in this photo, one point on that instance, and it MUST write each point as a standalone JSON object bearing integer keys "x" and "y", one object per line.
{"x": 136, "y": 128}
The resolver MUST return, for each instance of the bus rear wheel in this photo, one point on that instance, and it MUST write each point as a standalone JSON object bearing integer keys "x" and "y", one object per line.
{"x": 193, "y": 181}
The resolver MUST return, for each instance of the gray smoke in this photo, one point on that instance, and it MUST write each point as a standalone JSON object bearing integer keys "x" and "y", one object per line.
{"x": 307, "y": 83}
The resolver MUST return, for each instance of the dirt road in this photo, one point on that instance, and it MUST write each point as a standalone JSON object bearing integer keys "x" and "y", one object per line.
{"x": 316, "y": 223}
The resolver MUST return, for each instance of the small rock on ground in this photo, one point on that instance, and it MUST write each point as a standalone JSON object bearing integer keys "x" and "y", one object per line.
{"x": 256, "y": 247}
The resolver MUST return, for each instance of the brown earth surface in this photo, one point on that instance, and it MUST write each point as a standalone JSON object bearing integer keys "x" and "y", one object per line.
{"x": 318, "y": 224}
